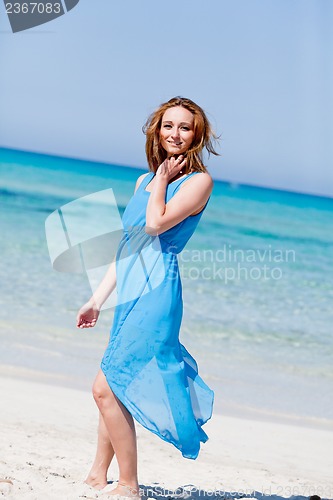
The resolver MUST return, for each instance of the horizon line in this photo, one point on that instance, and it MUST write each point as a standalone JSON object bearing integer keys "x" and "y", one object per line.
{"x": 222, "y": 181}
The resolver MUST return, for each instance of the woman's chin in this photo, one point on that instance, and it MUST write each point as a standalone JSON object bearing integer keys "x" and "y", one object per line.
{"x": 175, "y": 151}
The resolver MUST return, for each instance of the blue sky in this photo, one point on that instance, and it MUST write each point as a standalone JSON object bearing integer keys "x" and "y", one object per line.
{"x": 83, "y": 84}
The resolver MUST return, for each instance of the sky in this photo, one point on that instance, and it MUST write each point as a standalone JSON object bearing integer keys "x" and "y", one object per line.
{"x": 83, "y": 85}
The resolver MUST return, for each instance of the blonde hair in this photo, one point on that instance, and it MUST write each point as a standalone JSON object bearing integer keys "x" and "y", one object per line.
{"x": 203, "y": 136}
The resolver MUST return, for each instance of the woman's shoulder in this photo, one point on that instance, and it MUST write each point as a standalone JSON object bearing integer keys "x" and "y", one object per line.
{"x": 199, "y": 185}
{"x": 140, "y": 179}
{"x": 203, "y": 179}
{"x": 204, "y": 175}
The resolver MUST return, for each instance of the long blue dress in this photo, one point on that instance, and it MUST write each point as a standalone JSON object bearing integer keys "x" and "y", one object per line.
{"x": 146, "y": 366}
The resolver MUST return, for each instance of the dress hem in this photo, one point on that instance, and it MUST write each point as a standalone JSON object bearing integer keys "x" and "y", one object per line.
{"x": 137, "y": 418}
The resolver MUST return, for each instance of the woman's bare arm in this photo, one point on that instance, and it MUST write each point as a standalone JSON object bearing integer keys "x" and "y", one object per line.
{"x": 88, "y": 314}
{"x": 106, "y": 287}
{"x": 192, "y": 196}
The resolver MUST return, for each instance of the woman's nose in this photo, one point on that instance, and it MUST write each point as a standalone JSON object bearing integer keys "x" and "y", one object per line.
{"x": 175, "y": 133}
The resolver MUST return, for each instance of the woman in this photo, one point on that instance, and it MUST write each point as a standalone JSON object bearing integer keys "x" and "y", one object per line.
{"x": 145, "y": 372}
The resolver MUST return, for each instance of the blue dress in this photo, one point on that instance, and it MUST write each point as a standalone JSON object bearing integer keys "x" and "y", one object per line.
{"x": 145, "y": 365}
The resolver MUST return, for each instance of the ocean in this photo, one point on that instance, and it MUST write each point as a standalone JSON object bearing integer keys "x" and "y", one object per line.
{"x": 257, "y": 289}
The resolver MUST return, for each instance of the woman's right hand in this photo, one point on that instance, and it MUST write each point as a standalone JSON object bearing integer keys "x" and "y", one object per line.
{"x": 87, "y": 315}
{"x": 171, "y": 167}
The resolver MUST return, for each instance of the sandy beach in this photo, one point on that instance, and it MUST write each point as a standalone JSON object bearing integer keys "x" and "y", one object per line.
{"x": 48, "y": 436}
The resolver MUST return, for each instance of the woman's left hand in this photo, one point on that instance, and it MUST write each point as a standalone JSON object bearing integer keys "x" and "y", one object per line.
{"x": 171, "y": 167}
{"x": 87, "y": 315}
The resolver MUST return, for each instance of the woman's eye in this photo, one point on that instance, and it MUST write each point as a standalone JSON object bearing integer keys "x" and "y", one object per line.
{"x": 185, "y": 128}
{"x": 167, "y": 126}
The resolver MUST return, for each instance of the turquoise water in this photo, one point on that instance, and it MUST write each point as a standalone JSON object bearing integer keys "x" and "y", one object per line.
{"x": 257, "y": 286}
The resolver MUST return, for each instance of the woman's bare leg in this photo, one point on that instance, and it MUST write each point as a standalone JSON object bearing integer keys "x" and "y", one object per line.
{"x": 121, "y": 430}
{"x": 97, "y": 476}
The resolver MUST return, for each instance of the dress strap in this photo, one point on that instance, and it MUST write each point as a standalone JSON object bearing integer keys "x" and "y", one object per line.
{"x": 183, "y": 179}
{"x": 144, "y": 183}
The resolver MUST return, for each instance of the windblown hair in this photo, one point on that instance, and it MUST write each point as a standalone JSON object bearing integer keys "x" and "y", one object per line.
{"x": 203, "y": 136}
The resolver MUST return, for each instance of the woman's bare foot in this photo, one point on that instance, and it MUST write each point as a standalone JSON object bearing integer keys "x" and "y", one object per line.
{"x": 124, "y": 490}
{"x": 96, "y": 482}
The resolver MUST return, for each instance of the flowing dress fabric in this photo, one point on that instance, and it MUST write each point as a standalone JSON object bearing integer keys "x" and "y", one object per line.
{"x": 145, "y": 365}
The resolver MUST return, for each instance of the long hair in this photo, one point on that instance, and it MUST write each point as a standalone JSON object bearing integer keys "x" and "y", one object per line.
{"x": 203, "y": 136}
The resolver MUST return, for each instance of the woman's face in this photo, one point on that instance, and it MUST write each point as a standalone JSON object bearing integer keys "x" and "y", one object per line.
{"x": 177, "y": 130}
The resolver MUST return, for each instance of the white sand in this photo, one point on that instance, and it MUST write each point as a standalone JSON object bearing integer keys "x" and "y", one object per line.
{"x": 48, "y": 437}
